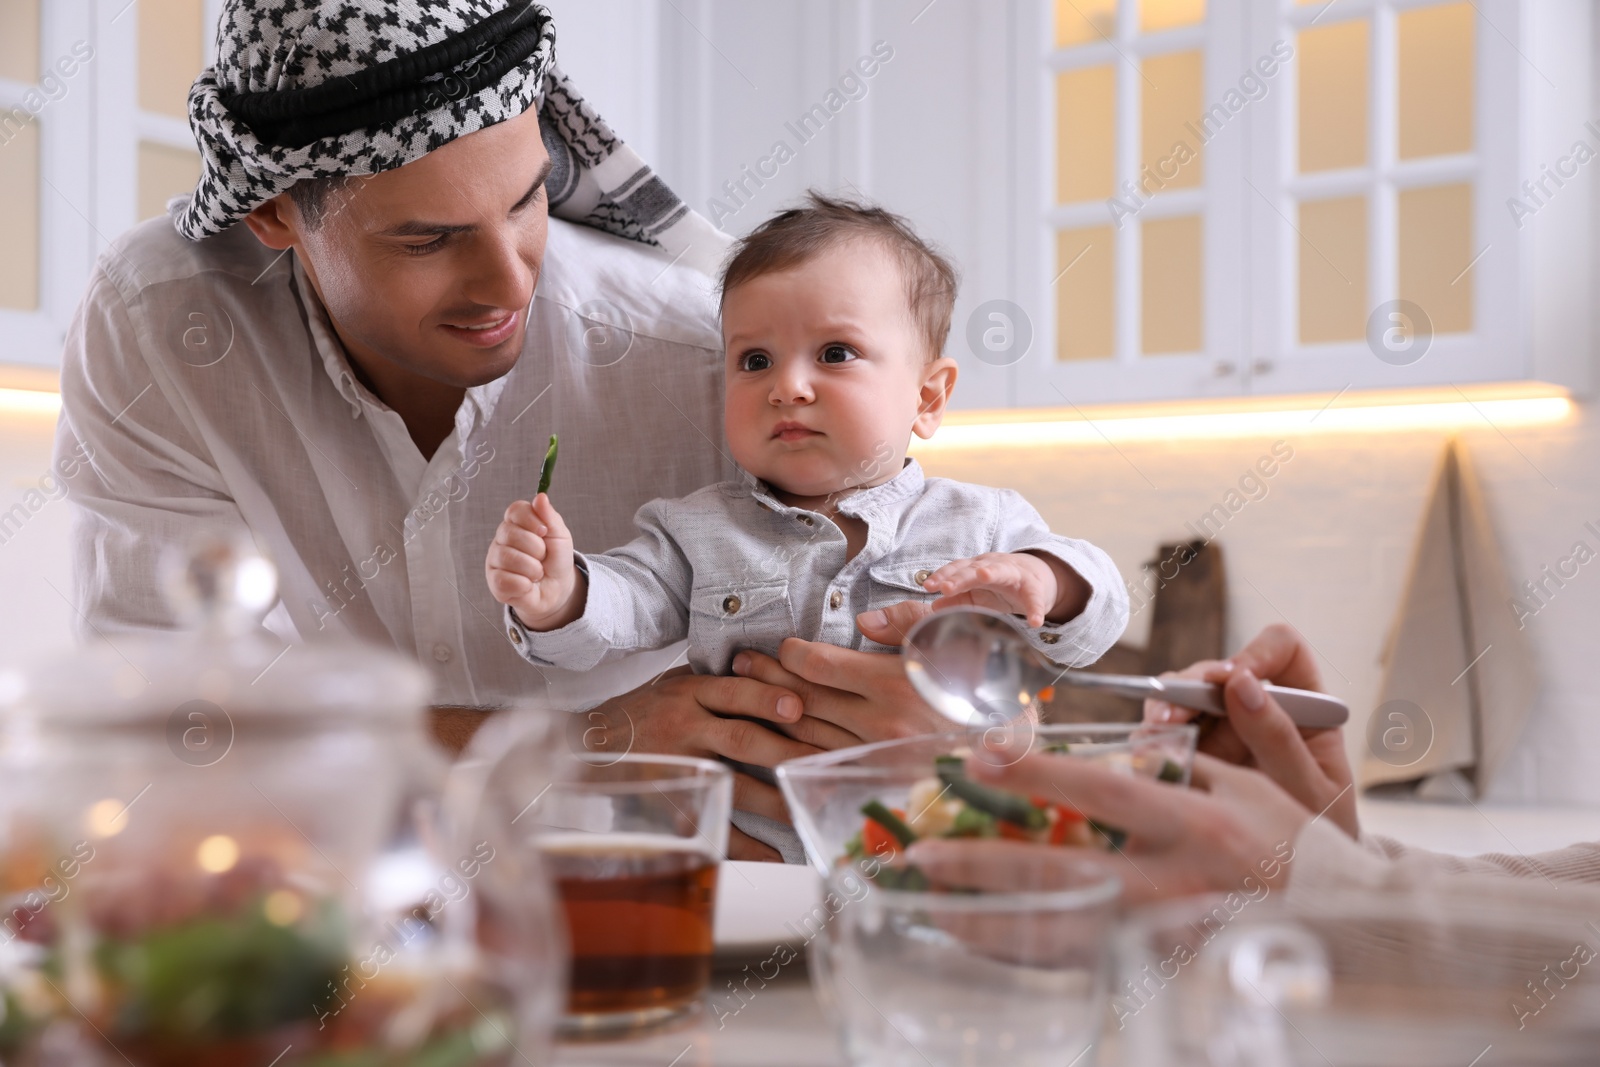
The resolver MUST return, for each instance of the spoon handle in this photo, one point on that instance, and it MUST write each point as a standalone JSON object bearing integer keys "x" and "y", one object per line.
{"x": 1317, "y": 711}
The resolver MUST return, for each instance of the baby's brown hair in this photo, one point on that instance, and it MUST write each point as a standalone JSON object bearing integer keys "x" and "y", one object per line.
{"x": 791, "y": 237}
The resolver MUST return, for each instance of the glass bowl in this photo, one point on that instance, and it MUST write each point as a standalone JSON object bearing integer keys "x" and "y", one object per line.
{"x": 826, "y": 792}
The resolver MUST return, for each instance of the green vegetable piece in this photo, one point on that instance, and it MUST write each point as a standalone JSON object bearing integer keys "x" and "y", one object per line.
{"x": 1171, "y": 771}
{"x": 1060, "y": 748}
{"x": 1116, "y": 838}
{"x": 855, "y": 849}
{"x": 891, "y": 822}
{"x": 996, "y": 802}
{"x": 549, "y": 467}
{"x": 970, "y": 822}
{"x": 901, "y": 879}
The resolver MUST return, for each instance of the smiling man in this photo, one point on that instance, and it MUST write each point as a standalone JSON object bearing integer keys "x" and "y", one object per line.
{"x": 414, "y": 253}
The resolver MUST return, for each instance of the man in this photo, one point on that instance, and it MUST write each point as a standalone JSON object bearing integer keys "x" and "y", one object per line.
{"x": 415, "y": 253}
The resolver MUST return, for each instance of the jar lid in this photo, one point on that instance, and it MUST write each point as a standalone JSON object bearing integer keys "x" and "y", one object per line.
{"x": 226, "y": 659}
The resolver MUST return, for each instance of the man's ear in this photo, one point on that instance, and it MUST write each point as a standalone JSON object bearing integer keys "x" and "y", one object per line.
{"x": 937, "y": 385}
{"x": 276, "y": 223}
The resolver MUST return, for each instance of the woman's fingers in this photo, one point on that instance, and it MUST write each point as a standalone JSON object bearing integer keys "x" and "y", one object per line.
{"x": 1002, "y": 866}
{"x": 1280, "y": 655}
{"x": 1273, "y": 739}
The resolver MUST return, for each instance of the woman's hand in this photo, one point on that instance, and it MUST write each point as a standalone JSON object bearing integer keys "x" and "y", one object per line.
{"x": 1234, "y": 831}
{"x": 1310, "y": 765}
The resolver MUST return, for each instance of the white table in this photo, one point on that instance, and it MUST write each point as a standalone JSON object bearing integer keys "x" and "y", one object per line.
{"x": 780, "y": 1026}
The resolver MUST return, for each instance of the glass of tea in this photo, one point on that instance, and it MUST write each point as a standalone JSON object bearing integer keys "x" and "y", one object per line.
{"x": 632, "y": 845}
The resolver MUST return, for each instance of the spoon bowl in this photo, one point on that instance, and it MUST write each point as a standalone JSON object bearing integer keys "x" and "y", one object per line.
{"x": 976, "y": 667}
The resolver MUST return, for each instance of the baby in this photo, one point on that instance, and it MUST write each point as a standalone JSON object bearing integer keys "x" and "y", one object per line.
{"x": 834, "y": 316}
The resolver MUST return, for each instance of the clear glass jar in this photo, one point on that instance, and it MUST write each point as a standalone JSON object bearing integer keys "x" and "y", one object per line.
{"x": 216, "y": 849}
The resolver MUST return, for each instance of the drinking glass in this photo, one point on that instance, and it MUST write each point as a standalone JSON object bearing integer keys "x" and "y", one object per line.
{"x": 931, "y": 979}
{"x": 632, "y": 844}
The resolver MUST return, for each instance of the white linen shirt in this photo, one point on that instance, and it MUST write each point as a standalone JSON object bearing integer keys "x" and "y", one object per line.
{"x": 205, "y": 384}
{"x": 731, "y": 567}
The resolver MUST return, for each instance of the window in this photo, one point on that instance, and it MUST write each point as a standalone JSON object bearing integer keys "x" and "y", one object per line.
{"x": 1277, "y": 196}
{"x": 93, "y": 139}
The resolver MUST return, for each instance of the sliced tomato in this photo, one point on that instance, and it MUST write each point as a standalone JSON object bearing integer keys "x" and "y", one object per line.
{"x": 877, "y": 840}
{"x": 1011, "y": 831}
{"x": 1063, "y": 818}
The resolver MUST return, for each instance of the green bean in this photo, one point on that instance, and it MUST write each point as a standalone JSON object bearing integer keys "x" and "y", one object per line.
{"x": 875, "y": 810}
{"x": 549, "y": 467}
{"x": 996, "y": 802}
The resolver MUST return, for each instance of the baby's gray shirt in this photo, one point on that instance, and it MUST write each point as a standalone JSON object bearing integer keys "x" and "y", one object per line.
{"x": 729, "y": 567}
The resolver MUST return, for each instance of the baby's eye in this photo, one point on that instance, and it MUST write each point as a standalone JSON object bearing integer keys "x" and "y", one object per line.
{"x": 755, "y": 361}
{"x": 837, "y": 354}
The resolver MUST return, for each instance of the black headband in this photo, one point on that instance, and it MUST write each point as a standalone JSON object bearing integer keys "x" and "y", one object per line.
{"x": 406, "y": 85}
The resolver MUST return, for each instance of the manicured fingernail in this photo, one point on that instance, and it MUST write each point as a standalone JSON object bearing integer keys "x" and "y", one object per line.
{"x": 1251, "y": 695}
{"x": 873, "y": 619}
{"x": 1160, "y": 711}
{"x": 741, "y": 664}
{"x": 789, "y": 707}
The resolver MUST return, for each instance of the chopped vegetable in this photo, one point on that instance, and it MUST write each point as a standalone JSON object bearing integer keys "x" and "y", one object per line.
{"x": 549, "y": 467}
{"x": 948, "y": 804}
{"x": 1002, "y": 805}
{"x": 880, "y": 817}
{"x": 971, "y": 822}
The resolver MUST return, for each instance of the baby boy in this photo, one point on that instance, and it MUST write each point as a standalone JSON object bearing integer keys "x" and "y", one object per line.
{"x": 834, "y": 317}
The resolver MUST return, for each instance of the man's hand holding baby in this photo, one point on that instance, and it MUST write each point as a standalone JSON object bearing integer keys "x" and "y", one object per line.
{"x": 1040, "y": 588}
{"x": 530, "y": 566}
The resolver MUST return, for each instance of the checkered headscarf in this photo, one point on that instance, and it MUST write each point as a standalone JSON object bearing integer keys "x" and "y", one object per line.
{"x": 323, "y": 88}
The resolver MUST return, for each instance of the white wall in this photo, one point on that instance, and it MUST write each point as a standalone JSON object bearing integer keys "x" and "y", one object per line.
{"x": 1327, "y": 550}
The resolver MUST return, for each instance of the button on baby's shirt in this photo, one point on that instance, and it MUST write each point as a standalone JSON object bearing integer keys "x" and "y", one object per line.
{"x": 835, "y": 598}
{"x": 442, "y": 653}
{"x": 807, "y": 519}
{"x": 515, "y": 634}
{"x": 732, "y": 604}
{"x": 1049, "y": 639}
{"x": 922, "y": 576}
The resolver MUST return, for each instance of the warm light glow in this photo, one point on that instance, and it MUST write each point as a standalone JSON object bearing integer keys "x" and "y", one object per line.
{"x": 282, "y": 907}
{"x": 217, "y": 854}
{"x": 1091, "y": 429}
{"x": 29, "y": 402}
{"x": 107, "y": 818}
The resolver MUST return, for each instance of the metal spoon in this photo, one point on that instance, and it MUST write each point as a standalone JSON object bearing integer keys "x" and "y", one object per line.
{"x": 976, "y": 667}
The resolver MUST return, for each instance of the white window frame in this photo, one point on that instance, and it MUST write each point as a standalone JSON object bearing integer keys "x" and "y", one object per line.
{"x": 1129, "y": 375}
{"x": 1532, "y": 292}
{"x": 89, "y": 162}
{"x": 67, "y": 242}
{"x": 1492, "y": 350}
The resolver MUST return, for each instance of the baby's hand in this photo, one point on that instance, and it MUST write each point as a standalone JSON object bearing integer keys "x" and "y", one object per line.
{"x": 1012, "y": 582}
{"x": 530, "y": 566}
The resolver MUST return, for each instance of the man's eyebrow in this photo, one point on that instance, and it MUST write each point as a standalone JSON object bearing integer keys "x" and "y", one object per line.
{"x": 420, "y": 228}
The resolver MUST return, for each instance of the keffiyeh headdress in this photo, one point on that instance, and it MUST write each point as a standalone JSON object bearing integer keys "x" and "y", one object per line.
{"x": 322, "y": 88}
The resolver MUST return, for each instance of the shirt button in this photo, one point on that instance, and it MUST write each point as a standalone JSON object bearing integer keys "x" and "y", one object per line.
{"x": 441, "y": 651}
{"x": 516, "y": 635}
{"x": 1049, "y": 639}
{"x": 807, "y": 519}
{"x": 732, "y": 604}
{"x": 835, "y": 598}
{"x": 921, "y": 576}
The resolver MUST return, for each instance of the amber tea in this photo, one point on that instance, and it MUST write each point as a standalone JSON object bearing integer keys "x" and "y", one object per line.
{"x": 639, "y": 913}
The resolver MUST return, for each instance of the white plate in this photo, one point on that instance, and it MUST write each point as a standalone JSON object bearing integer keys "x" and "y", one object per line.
{"x": 763, "y": 905}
